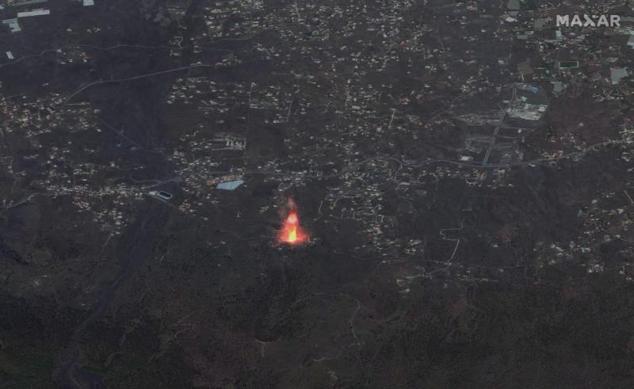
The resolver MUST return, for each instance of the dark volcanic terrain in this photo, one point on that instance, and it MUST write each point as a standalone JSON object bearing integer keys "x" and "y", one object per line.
{"x": 464, "y": 170}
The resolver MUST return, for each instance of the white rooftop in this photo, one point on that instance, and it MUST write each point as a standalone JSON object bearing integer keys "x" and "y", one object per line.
{"x": 35, "y": 12}
{"x": 13, "y": 24}
{"x": 617, "y": 74}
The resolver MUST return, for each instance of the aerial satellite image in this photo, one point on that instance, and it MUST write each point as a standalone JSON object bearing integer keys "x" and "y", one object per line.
{"x": 317, "y": 194}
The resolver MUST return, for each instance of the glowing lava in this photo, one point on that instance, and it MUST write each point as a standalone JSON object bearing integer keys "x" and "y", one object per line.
{"x": 292, "y": 233}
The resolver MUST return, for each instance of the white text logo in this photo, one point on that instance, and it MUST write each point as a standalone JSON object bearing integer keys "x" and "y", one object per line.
{"x": 588, "y": 20}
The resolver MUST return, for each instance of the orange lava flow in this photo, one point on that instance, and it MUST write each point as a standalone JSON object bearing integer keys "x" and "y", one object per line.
{"x": 292, "y": 233}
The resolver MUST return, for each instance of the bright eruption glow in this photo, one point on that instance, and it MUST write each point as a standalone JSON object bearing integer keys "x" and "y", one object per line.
{"x": 292, "y": 233}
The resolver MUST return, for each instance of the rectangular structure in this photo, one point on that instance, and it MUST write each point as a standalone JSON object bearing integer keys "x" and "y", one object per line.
{"x": 35, "y": 12}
